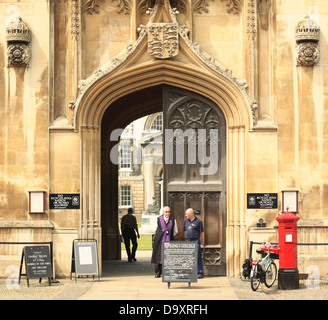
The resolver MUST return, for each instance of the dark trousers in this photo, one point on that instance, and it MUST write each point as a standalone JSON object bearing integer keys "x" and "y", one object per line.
{"x": 200, "y": 260}
{"x": 130, "y": 235}
{"x": 158, "y": 269}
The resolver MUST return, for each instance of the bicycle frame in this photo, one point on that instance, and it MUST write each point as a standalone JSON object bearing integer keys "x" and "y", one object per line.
{"x": 265, "y": 262}
{"x": 260, "y": 269}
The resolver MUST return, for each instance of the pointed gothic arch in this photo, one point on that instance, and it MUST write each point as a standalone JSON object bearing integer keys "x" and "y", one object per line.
{"x": 191, "y": 70}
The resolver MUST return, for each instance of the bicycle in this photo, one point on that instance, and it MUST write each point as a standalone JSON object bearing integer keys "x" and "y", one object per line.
{"x": 264, "y": 270}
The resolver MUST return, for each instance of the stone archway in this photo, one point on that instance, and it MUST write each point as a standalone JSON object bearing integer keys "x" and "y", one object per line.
{"x": 238, "y": 118}
{"x": 191, "y": 70}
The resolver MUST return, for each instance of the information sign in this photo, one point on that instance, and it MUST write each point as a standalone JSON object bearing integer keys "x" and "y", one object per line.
{"x": 62, "y": 201}
{"x": 37, "y": 263}
{"x": 180, "y": 261}
{"x": 84, "y": 258}
{"x": 262, "y": 201}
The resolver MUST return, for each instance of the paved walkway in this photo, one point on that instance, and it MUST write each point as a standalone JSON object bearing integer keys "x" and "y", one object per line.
{"x": 122, "y": 280}
{"x": 126, "y": 282}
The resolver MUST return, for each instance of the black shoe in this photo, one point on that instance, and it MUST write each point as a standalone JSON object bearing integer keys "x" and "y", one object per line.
{"x": 130, "y": 260}
{"x": 134, "y": 259}
{"x": 200, "y": 276}
{"x": 157, "y": 275}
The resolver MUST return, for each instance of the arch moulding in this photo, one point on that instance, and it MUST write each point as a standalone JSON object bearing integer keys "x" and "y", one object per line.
{"x": 191, "y": 70}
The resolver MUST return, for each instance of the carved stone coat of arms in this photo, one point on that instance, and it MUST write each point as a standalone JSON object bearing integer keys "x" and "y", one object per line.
{"x": 163, "y": 40}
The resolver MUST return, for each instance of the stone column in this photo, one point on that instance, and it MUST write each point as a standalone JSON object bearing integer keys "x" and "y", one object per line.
{"x": 236, "y": 220}
{"x": 90, "y": 185}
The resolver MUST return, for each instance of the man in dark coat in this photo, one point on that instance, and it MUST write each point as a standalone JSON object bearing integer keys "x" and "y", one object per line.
{"x": 129, "y": 228}
{"x": 166, "y": 230}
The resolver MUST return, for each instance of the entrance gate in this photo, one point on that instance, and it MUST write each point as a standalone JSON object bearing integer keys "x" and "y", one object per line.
{"x": 193, "y": 182}
{"x": 185, "y": 185}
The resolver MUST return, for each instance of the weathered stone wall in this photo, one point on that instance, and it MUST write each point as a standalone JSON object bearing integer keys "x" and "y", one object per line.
{"x": 71, "y": 40}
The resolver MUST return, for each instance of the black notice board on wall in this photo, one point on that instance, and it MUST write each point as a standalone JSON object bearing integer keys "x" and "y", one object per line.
{"x": 62, "y": 201}
{"x": 37, "y": 262}
{"x": 262, "y": 200}
{"x": 180, "y": 261}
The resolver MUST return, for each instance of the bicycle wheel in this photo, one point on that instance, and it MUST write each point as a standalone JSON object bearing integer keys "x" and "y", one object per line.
{"x": 270, "y": 275}
{"x": 255, "y": 277}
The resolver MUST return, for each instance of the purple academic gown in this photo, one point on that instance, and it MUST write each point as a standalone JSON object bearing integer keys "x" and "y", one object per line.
{"x": 160, "y": 236}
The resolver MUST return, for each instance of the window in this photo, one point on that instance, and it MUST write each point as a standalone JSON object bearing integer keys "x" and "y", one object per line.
{"x": 126, "y": 199}
{"x": 125, "y": 157}
{"x": 157, "y": 123}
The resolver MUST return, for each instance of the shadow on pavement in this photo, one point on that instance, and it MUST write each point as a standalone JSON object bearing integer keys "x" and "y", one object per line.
{"x": 119, "y": 268}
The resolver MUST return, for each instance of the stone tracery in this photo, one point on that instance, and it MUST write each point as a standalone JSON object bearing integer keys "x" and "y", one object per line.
{"x": 198, "y": 6}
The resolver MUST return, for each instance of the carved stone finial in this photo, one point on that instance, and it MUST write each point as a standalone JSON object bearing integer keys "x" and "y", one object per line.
{"x": 18, "y": 36}
{"x": 307, "y": 29}
{"x": 307, "y": 36}
{"x": 18, "y": 30}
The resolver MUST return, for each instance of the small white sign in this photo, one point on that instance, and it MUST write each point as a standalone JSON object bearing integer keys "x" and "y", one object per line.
{"x": 85, "y": 254}
{"x": 289, "y": 238}
{"x": 36, "y": 202}
{"x": 290, "y": 201}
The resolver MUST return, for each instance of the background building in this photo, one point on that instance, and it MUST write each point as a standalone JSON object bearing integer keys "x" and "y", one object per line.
{"x": 72, "y": 72}
{"x": 141, "y": 166}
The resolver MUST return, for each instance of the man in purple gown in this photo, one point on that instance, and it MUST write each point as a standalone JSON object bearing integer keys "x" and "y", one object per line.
{"x": 166, "y": 230}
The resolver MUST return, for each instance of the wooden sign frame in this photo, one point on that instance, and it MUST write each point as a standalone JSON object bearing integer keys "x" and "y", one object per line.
{"x": 290, "y": 201}
{"x": 37, "y": 202}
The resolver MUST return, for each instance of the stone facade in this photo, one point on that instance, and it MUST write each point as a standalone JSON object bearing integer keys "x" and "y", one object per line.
{"x": 79, "y": 77}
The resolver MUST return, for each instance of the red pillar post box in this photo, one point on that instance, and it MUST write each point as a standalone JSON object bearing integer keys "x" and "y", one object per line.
{"x": 288, "y": 275}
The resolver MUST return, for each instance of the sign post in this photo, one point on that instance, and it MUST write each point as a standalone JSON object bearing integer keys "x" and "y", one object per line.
{"x": 179, "y": 261}
{"x": 84, "y": 258}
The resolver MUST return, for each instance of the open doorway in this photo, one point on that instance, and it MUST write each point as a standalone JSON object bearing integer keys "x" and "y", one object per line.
{"x": 114, "y": 199}
{"x": 140, "y": 175}
{"x": 185, "y": 184}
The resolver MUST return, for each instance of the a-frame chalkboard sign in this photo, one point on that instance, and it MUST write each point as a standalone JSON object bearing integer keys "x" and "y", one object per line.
{"x": 84, "y": 258}
{"x": 37, "y": 263}
{"x": 180, "y": 261}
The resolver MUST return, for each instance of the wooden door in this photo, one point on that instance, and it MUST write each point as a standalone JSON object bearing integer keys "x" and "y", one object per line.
{"x": 190, "y": 180}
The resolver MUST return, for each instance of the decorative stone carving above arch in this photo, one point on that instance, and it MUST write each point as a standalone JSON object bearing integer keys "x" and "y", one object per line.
{"x": 198, "y": 6}
{"x": 201, "y": 67}
{"x": 234, "y": 6}
{"x": 199, "y": 61}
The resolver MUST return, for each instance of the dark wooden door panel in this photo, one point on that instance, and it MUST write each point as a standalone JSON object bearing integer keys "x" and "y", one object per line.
{"x": 184, "y": 184}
